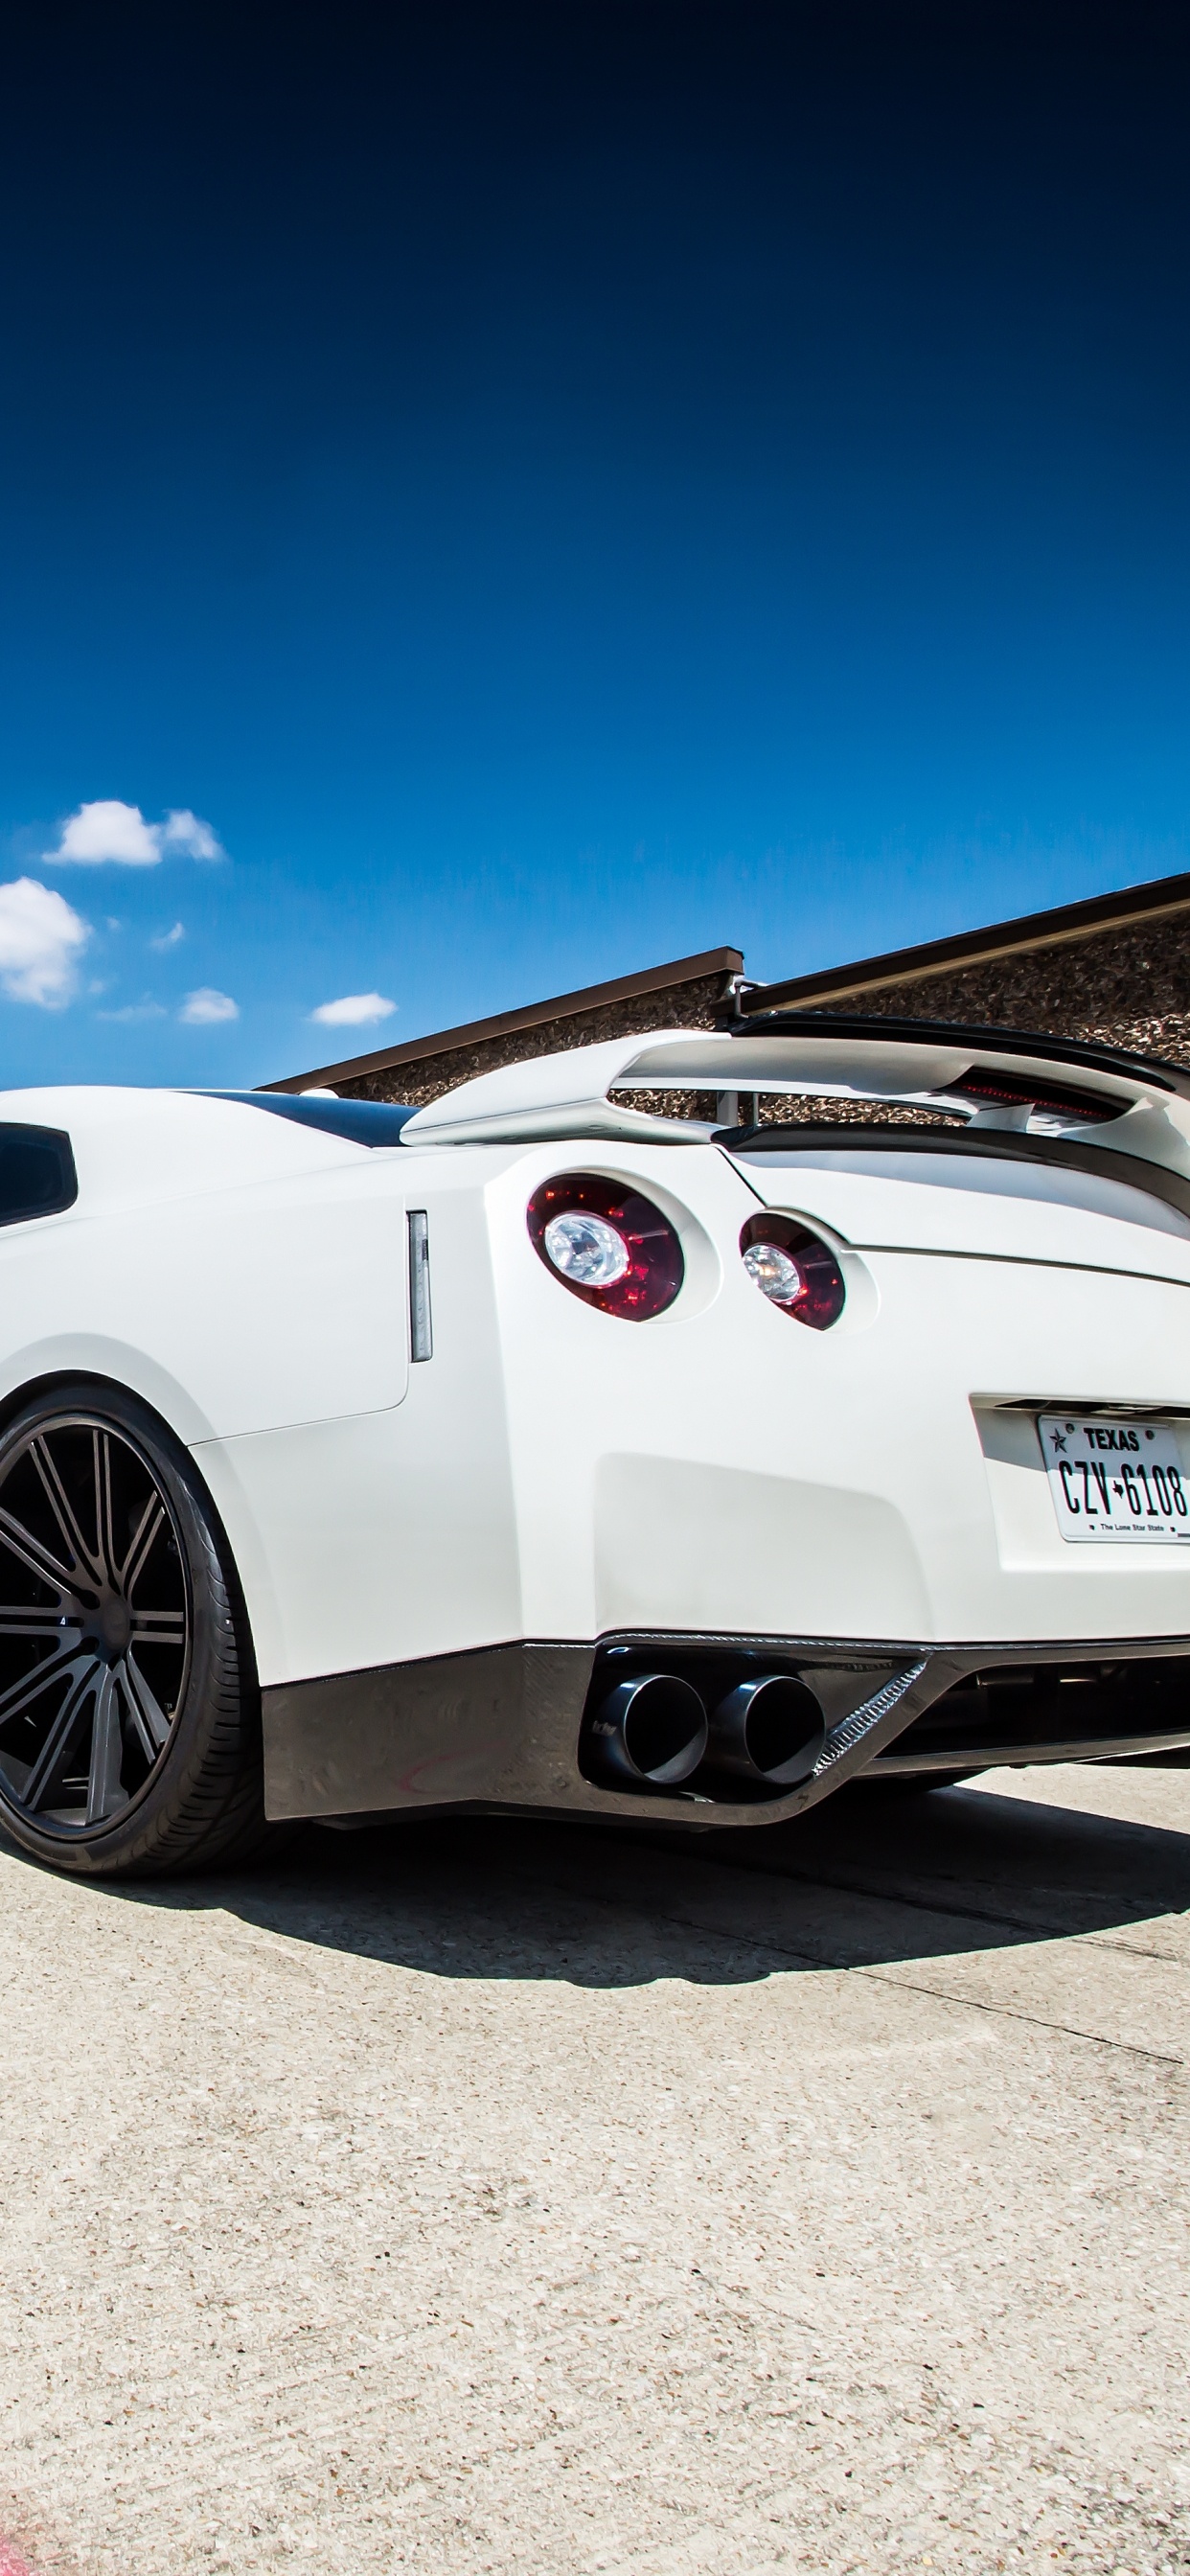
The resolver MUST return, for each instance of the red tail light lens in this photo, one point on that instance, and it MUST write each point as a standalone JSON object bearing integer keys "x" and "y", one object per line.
{"x": 794, "y": 1270}
{"x": 607, "y": 1244}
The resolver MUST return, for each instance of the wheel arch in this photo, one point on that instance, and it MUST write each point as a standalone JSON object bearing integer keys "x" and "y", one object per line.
{"x": 48, "y": 1382}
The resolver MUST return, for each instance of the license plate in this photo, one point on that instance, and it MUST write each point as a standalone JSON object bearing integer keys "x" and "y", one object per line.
{"x": 1115, "y": 1480}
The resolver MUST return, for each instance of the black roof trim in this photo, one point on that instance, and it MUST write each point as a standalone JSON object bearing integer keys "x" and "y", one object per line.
{"x": 356, "y": 1122}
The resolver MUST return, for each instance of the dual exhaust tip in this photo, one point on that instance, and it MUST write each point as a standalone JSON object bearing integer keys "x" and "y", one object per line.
{"x": 655, "y": 1731}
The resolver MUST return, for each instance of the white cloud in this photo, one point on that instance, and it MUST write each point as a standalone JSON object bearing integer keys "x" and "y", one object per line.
{"x": 41, "y": 940}
{"x": 170, "y": 938}
{"x": 135, "y": 1011}
{"x": 110, "y": 834}
{"x": 202, "y": 1009}
{"x": 188, "y": 833}
{"x": 107, "y": 831}
{"x": 353, "y": 1010}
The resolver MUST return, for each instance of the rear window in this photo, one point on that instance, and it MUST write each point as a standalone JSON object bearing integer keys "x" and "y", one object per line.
{"x": 359, "y": 1122}
{"x": 37, "y": 1174}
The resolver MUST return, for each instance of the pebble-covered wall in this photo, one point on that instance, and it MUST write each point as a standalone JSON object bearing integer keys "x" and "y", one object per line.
{"x": 1126, "y": 986}
{"x": 692, "y": 1005}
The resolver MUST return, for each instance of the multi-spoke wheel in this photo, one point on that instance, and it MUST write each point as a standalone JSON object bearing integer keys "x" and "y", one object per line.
{"x": 128, "y": 1740}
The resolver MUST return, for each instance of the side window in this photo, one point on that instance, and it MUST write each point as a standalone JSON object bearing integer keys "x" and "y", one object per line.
{"x": 37, "y": 1174}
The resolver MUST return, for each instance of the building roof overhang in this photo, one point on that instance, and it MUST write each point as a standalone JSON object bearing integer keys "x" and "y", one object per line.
{"x": 1067, "y": 922}
{"x": 726, "y": 962}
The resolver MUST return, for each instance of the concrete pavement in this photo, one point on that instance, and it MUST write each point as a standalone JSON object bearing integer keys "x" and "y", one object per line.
{"x": 518, "y": 2198}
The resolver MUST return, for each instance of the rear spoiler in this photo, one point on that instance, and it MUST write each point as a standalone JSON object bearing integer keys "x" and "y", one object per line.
{"x": 1031, "y": 1097}
{"x": 1033, "y": 1044}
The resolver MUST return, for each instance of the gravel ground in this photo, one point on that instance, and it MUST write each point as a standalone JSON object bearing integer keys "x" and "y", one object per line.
{"x": 517, "y": 2198}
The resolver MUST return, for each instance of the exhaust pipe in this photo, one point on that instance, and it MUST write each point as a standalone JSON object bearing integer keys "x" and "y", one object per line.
{"x": 771, "y": 1729}
{"x": 650, "y": 1732}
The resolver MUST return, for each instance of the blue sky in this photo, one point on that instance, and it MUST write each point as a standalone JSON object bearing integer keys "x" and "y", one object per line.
{"x": 537, "y": 492}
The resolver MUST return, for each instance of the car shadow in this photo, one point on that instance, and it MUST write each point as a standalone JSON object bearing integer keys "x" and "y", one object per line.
{"x": 870, "y": 1879}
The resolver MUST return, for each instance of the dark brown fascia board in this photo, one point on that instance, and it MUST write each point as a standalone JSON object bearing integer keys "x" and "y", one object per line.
{"x": 1002, "y": 939}
{"x": 564, "y": 1006}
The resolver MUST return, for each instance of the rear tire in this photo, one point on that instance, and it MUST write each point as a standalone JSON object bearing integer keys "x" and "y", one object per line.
{"x": 129, "y": 1707}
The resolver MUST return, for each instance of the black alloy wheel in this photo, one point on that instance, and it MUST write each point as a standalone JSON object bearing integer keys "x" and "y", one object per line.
{"x": 129, "y": 1715}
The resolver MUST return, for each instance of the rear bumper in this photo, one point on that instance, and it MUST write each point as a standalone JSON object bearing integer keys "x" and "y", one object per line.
{"x": 505, "y": 1727}
{"x": 1050, "y": 1706}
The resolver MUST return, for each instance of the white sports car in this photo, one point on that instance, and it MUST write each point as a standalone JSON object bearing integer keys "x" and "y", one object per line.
{"x": 534, "y": 1451}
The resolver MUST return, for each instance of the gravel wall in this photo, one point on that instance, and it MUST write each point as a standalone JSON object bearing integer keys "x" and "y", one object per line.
{"x": 1126, "y": 986}
{"x": 680, "y": 1006}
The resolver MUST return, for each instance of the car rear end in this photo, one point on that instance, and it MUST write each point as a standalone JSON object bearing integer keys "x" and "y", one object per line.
{"x": 898, "y": 1479}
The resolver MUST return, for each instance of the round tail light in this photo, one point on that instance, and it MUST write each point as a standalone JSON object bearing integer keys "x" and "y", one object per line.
{"x": 607, "y": 1244}
{"x": 793, "y": 1269}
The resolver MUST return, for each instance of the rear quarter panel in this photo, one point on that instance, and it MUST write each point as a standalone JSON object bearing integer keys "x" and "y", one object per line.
{"x": 280, "y": 1301}
{"x": 385, "y": 1536}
